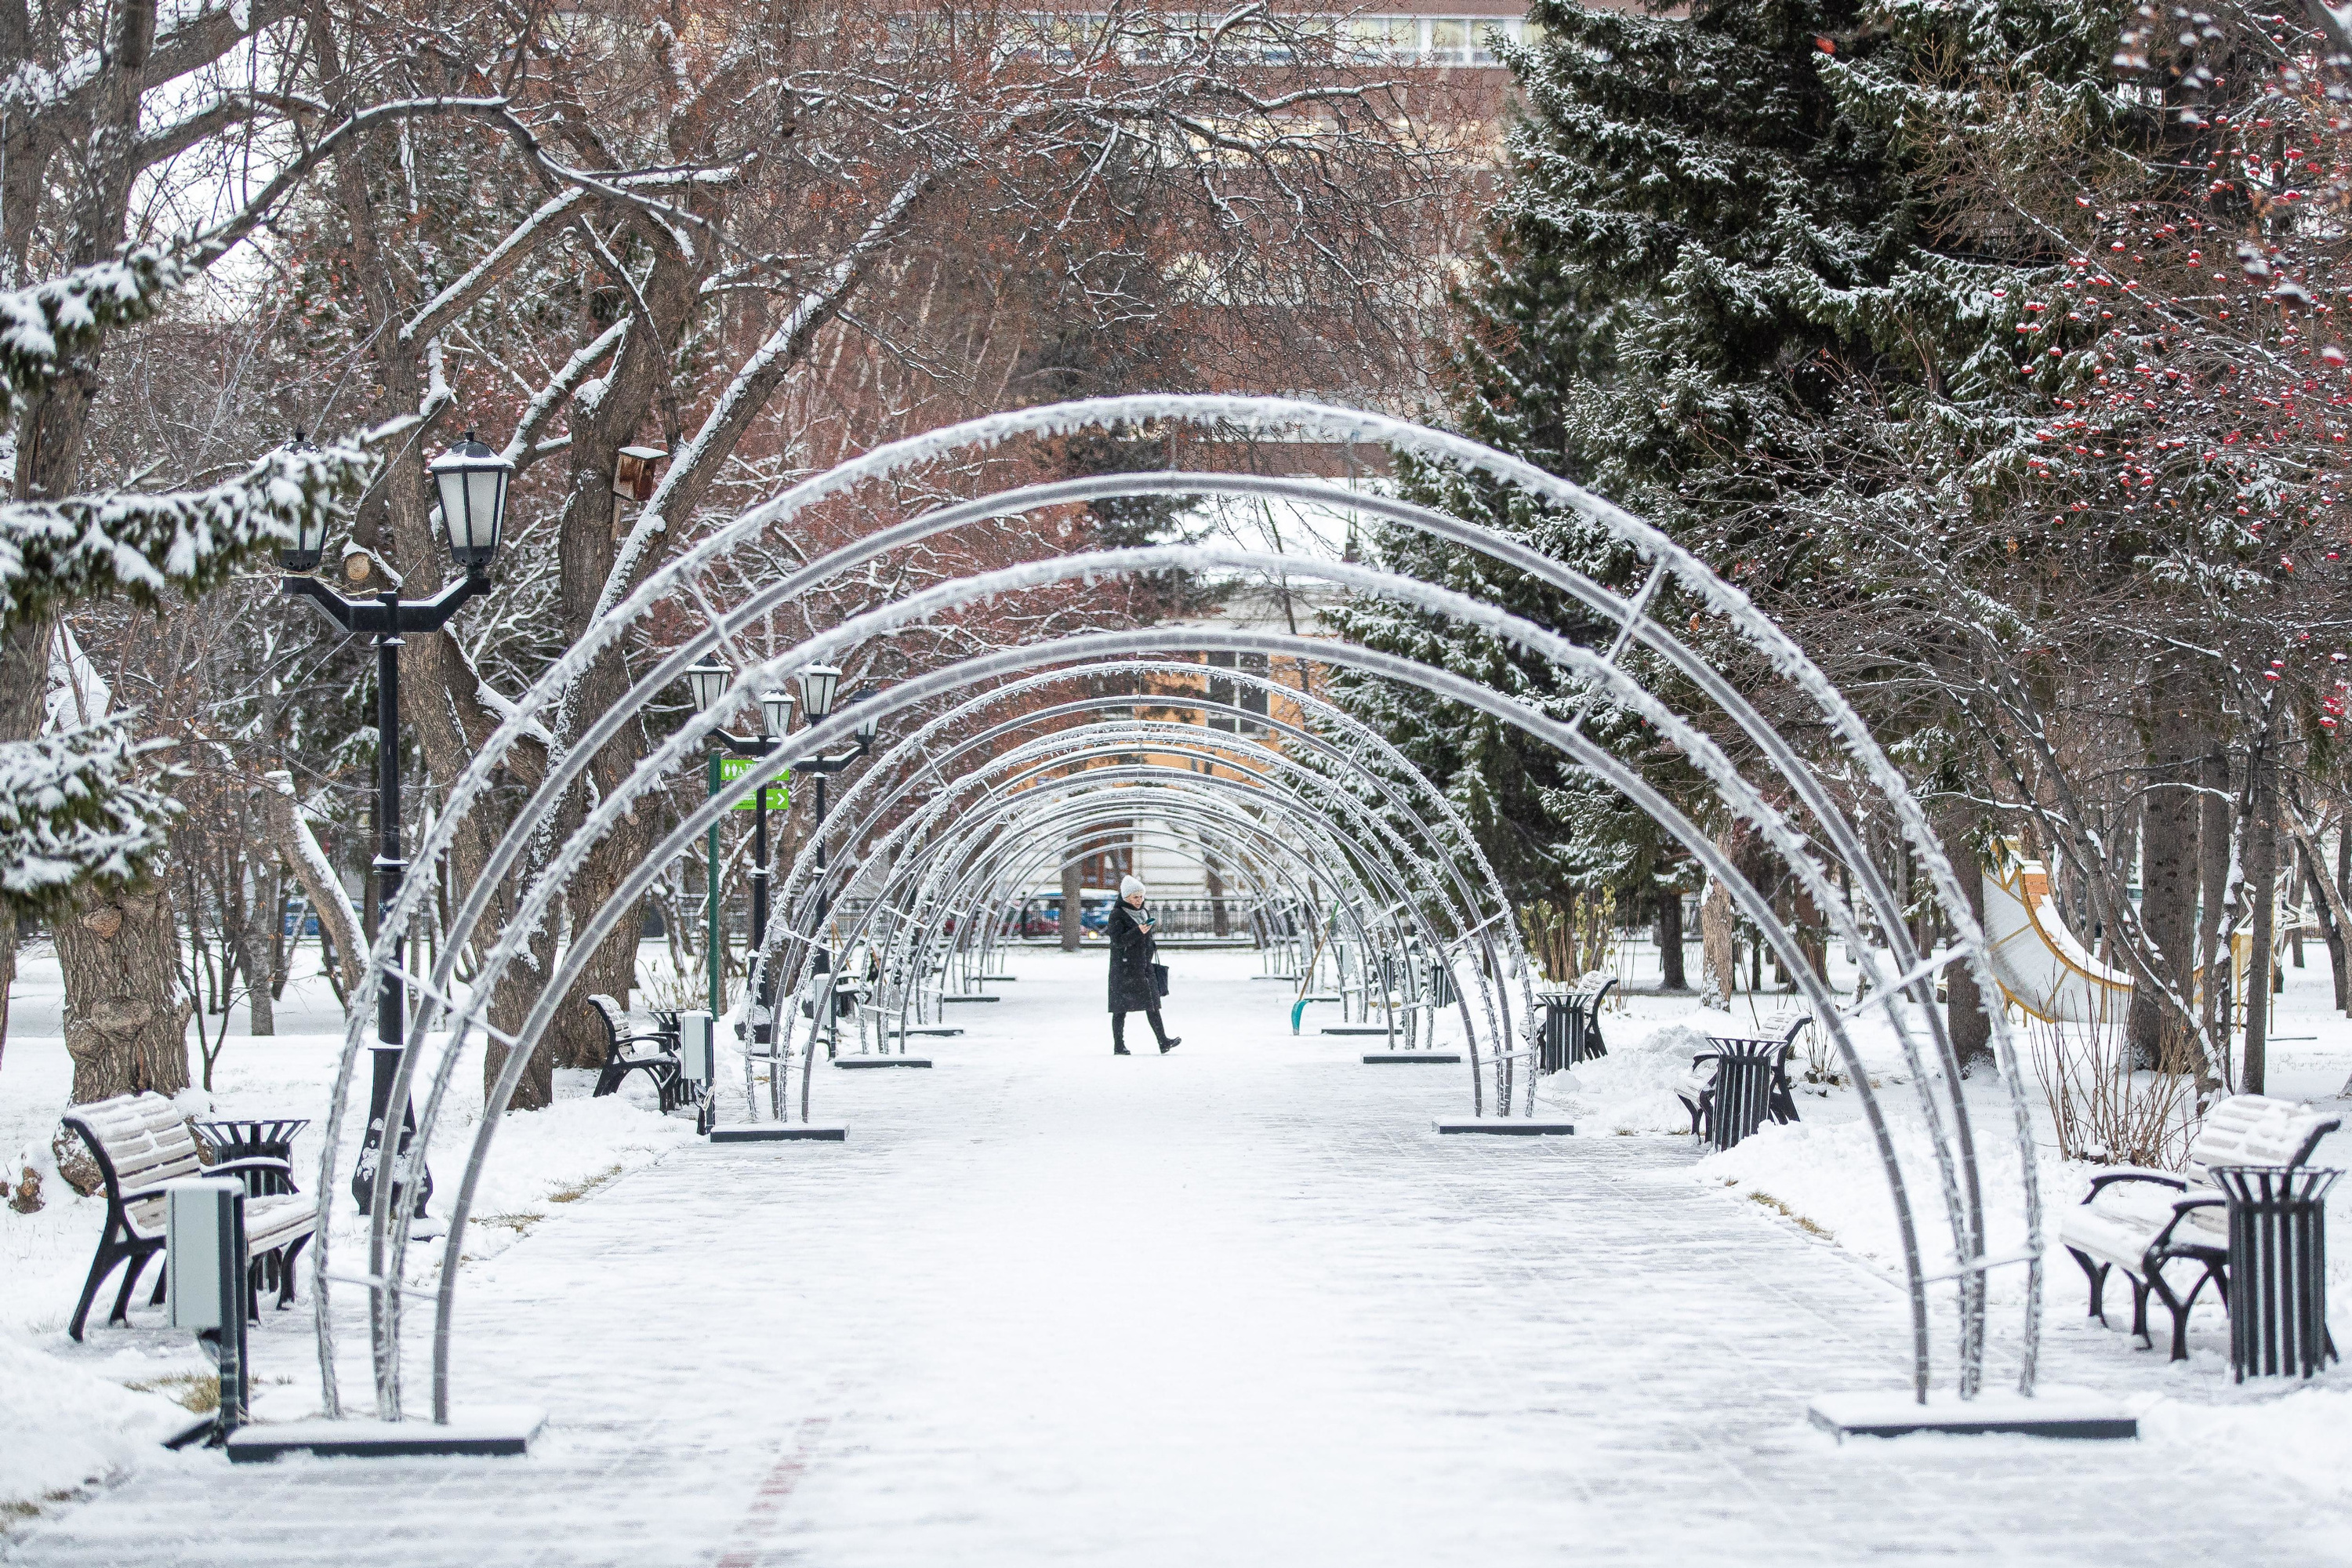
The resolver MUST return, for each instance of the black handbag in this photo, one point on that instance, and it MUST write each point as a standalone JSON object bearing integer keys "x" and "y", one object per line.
{"x": 1160, "y": 980}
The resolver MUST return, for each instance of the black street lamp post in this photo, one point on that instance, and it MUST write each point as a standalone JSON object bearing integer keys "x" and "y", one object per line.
{"x": 471, "y": 480}
{"x": 707, "y": 679}
{"x": 819, "y": 686}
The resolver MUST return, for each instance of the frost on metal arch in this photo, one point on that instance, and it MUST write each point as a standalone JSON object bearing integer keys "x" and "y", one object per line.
{"x": 74, "y": 815}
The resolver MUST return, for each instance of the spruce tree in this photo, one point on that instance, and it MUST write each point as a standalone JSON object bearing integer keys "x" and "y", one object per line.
{"x": 1736, "y": 286}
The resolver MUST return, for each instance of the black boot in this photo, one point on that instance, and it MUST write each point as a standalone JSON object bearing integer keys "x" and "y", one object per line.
{"x": 1119, "y": 1035}
{"x": 1168, "y": 1042}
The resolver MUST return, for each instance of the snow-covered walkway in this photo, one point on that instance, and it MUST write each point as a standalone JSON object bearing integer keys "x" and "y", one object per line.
{"x": 1233, "y": 1306}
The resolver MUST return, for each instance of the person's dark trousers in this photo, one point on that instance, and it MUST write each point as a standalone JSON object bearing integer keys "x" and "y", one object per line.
{"x": 1119, "y": 1029}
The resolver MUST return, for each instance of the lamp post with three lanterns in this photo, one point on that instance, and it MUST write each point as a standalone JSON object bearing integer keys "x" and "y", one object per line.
{"x": 470, "y": 483}
{"x": 819, "y": 686}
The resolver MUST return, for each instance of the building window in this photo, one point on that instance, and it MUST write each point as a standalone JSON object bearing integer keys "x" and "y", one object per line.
{"x": 1250, "y": 698}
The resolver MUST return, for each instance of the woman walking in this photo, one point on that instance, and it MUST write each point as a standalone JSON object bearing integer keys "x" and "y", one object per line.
{"x": 1133, "y": 987}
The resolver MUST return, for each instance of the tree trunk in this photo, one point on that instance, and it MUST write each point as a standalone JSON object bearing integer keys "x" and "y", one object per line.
{"x": 8, "y": 981}
{"x": 1219, "y": 918}
{"x": 1967, "y": 1013}
{"x": 510, "y": 1004}
{"x": 1670, "y": 941}
{"x": 2326, "y": 900}
{"x": 297, "y": 847}
{"x": 1719, "y": 954}
{"x": 2168, "y": 861}
{"x": 2261, "y": 882}
{"x": 2215, "y": 823}
{"x": 1071, "y": 890}
{"x": 126, "y": 1014}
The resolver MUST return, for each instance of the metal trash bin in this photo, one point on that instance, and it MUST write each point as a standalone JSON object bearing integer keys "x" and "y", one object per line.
{"x": 2278, "y": 1268}
{"x": 1741, "y": 1096}
{"x": 1556, "y": 1043}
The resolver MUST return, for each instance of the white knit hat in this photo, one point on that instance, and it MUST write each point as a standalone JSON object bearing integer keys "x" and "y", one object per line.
{"x": 1130, "y": 887}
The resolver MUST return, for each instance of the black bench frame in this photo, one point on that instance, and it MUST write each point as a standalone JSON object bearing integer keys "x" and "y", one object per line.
{"x": 662, "y": 1066}
{"x": 2167, "y": 1247}
{"x": 118, "y": 1243}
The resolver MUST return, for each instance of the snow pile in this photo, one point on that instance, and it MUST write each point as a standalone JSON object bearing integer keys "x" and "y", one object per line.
{"x": 1827, "y": 1175}
{"x": 2306, "y": 1435}
{"x": 556, "y": 1155}
{"x": 1631, "y": 1089}
{"x": 66, "y": 1426}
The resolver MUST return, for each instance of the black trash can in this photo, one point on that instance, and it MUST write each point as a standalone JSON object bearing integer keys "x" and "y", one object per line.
{"x": 1556, "y": 1045}
{"x": 2278, "y": 1268}
{"x": 1742, "y": 1093}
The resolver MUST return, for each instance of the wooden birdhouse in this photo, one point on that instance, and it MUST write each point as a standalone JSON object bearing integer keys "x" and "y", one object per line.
{"x": 634, "y": 471}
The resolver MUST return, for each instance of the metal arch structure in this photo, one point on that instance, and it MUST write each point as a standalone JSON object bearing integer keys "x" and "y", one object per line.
{"x": 1902, "y": 975}
{"x": 1442, "y": 879}
{"x": 917, "y": 765}
{"x": 1388, "y": 827}
{"x": 1413, "y": 802}
{"x": 1403, "y": 887}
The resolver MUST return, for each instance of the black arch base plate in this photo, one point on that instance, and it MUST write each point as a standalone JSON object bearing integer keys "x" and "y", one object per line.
{"x": 1382, "y": 1058}
{"x": 2053, "y": 1411}
{"x": 975, "y": 997}
{"x": 781, "y": 1132}
{"x": 847, "y": 1062}
{"x": 492, "y": 1429}
{"x": 941, "y": 1029}
{"x": 1356, "y": 1029}
{"x": 1506, "y": 1126}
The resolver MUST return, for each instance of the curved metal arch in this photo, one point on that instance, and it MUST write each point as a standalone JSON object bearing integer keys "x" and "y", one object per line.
{"x": 1235, "y": 832}
{"x": 1399, "y": 889}
{"x": 1103, "y": 785}
{"x": 1081, "y": 743}
{"x": 1735, "y": 789}
{"x": 1432, "y": 876}
{"x": 853, "y": 826}
{"x": 1721, "y": 596}
{"x": 921, "y": 768}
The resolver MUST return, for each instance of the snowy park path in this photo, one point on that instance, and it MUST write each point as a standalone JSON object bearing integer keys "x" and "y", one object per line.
{"x": 1233, "y": 1306}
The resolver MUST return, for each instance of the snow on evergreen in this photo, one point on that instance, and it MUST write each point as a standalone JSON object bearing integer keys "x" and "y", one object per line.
{"x": 81, "y": 804}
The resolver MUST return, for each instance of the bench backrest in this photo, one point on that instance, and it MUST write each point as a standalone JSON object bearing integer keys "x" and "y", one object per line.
{"x": 139, "y": 1141}
{"x": 1592, "y": 986}
{"x": 616, "y": 1022}
{"x": 2255, "y": 1129}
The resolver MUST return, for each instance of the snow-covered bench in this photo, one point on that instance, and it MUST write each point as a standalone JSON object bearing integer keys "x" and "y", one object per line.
{"x": 140, "y": 1142}
{"x": 1703, "y": 1088}
{"x": 660, "y": 1064}
{"x": 2132, "y": 1222}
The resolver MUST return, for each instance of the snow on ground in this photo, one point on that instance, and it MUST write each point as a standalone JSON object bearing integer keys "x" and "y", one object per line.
{"x": 1231, "y": 1305}
{"x": 541, "y": 1162}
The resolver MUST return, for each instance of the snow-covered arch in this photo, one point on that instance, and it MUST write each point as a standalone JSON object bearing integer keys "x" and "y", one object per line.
{"x": 1357, "y": 756}
{"x": 961, "y": 873}
{"x": 1903, "y": 973}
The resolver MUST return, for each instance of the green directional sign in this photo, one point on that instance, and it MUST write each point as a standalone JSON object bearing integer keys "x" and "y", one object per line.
{"x": 733, "y": 768}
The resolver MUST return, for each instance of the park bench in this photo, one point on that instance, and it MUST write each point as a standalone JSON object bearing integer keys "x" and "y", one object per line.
{"x": 2130, "y": 1221}
{"x": 660, "y": 1064}
{"x": 140, "y": 1142}
{"x": 1731, "y": 1090}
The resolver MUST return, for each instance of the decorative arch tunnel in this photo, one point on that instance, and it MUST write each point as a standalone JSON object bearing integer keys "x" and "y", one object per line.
{"x": 1004, "y": 764}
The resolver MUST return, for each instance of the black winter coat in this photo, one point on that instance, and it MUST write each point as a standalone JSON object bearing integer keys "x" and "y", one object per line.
{"x": 1131, "y": 953}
